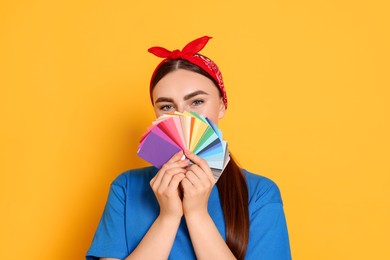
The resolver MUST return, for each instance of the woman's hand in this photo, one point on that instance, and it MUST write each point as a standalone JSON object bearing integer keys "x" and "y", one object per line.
{"x": 205, "y": 237}
{"x": 157, "y": 242}
{"x": 197, "y": 186}
{"x": 165, "y": 186}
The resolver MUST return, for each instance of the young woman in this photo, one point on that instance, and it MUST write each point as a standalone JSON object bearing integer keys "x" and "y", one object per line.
{"x": 179, "y": 211}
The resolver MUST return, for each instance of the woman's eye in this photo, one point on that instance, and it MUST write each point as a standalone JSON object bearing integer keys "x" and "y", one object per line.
{"x": 166, "y": 107}
{"x": 197, "y": 102}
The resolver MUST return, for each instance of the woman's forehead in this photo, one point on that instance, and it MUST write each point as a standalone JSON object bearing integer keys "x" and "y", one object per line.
{"x": 184, "y": 82}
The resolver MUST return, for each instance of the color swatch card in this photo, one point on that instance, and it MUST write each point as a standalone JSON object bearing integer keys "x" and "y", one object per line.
{"x": 172, "y": 133}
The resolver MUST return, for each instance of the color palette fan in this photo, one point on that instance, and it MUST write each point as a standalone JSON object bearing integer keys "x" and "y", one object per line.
{"x": 172, "y": 133}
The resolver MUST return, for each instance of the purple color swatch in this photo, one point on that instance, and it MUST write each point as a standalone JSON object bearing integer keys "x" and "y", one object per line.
{"x": 157, "y": 150}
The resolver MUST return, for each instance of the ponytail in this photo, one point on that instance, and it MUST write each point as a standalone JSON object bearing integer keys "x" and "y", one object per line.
{"x": 233, "y": 193}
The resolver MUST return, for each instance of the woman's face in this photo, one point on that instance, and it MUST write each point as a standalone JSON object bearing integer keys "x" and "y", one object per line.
{"x": 184, "y": 90}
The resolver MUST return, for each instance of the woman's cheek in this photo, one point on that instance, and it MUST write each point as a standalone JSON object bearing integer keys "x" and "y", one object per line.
{"x": 195, "y": 109}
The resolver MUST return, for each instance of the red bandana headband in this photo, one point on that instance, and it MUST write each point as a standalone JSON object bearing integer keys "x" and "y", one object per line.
{"x": 190, "y": 53}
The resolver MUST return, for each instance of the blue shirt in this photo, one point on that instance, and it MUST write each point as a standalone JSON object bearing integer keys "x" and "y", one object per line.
{"x": 132, "y": 207}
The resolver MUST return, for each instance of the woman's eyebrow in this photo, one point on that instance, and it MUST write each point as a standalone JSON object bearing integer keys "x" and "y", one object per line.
{"x": 163, "y": 99}
{"x": 193, "y": 94}
{"x": 186, "y": 97}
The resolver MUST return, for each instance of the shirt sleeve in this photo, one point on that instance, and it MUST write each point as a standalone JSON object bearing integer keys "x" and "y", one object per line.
{"x": 110, "y": 236}
{"x": 268, "y": 236}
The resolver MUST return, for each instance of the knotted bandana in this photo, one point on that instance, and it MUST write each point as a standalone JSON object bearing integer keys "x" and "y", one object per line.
{"x": 190, "y": 53}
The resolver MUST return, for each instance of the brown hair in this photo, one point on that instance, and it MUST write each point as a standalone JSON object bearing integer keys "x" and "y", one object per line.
{"x": 232, "y": 187}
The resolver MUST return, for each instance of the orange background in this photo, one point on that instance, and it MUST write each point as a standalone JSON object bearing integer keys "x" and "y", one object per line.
{"x": 308, "y": 86}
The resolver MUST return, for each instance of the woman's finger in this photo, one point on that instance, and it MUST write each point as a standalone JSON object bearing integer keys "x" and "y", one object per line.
{"x": 169, "y": 175}
{"x": 176, "y": 180}
{"x": 176, "y": 157}
{"x": 186, "y": 183}
{"x": 199, "y": 173}
{"x": 200, "y": 162}
{"x": 191, "y": 176}
{"x": 174, "y": 162}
